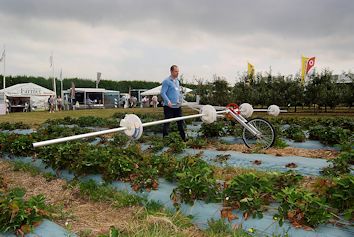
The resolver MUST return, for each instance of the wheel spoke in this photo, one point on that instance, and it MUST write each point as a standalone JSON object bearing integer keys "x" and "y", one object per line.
{"x": 264, "y": 128}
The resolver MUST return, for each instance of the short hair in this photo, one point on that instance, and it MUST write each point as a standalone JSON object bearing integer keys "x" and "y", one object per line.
{"x": 173, "y": 67}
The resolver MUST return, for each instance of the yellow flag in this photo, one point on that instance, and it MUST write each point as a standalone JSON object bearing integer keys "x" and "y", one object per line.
{"x": 303, "y": 68}
{"x": 250, "y": 71}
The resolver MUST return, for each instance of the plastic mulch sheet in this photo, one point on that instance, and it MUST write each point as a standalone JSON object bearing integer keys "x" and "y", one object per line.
{"x": 201, "y": 211}
{"x": 45, "y": 229}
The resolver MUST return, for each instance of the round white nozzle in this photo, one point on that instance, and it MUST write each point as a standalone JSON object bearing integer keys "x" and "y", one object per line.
{"x": 209, "y": 114}
{"x": 273, "y": 110}
{"x": 134, "y": 126}
{"x": 246, "y": 110}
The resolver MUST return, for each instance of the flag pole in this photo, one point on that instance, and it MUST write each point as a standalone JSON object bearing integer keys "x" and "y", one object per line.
{"x": 61, "y": 83}
{"x": 4, "y": 76}
{"x": 54, "y": 84}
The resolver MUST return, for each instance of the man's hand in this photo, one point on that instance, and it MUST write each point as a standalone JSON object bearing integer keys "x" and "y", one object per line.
{"x": 170, "y": 104}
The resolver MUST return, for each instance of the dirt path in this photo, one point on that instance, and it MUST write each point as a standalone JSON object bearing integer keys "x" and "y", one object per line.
{"x": 287, "y": 151}
{"x": 79, "y": 216}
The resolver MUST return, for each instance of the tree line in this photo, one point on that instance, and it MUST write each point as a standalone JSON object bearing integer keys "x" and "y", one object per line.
{"x": 320, "y": 90}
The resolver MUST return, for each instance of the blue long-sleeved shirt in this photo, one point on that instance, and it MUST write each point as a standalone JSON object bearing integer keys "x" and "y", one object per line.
{"x": 170, "y": 91}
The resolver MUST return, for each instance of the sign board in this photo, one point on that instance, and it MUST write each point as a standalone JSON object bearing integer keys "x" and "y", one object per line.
{"x": 31, "y": 91}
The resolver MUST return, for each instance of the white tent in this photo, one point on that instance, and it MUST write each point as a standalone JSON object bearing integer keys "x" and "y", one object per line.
{"x": 157, "y": 91}
{"x": 36, "y": 95}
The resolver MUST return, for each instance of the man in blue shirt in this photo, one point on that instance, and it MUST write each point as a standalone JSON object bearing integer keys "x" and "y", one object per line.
{"x": 172, "y": 101}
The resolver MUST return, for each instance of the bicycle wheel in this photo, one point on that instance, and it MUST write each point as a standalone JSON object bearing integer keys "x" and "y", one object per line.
{"x": 265, "y": 140}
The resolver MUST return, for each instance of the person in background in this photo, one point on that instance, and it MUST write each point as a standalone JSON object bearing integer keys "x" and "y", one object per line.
{"x": 77, "y": 105}
{"x": 51, "y": 104}
{"x": 8, "y": 106}
{"x": 133, "y": 101}
{"x": 154, "y": 101}
{"x": 66, "y": 103}
{"x": 145, "y": 101}
{"x": 89, "y": 102}
{"x": 172, "y": 101}
{"x": 60, "y": 103}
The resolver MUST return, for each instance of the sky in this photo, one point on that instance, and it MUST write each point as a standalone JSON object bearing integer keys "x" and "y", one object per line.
{"x": 141, "y": 39}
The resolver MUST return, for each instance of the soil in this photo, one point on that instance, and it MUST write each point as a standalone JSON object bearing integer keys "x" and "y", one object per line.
{"x": 78, "y": 215}
{"x": 287, "y": 151}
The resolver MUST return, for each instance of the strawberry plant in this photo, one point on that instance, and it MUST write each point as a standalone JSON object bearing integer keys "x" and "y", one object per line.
{"x": 249, "y": 193}
{"x": 334, "y": 135}
{"x": 165, "y": 165}
{"x": 215, "y": 129}
{"x": 197, "y": 143}
{"x": 316, "y": 131}
{"x": 118, "y": 166}
{"x": 340, "y": 195}
{"x": 84, "y": 121}
{"x": 17, "y": 144}
{"x": 302, "y": 208}
{"x": 287, "y": 179}
{"x": 279, "y": 143}
{"x": 20, "y": 215}
{"x": 13, "y": 126}
{"x": 295, "y": 133}
{"x": 144, "y": 178}
{"x": 120, "y": 140}
{"x": 340, "y": 165}
{"x": 22, "y": 145}
{"x": 55, "y": 131}
{"x": 174, "y": 142}
{"x": 307, "y": 122}
{"x": 329, "y": 135}
{"x": 66, "y": 156}
{"x": 65, "y": 121}
{"x": 195, "y": 181}
{"x": 3, "y": 139}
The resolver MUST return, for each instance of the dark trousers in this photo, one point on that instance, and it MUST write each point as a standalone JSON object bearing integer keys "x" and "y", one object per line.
{"x": 173, "y": 113}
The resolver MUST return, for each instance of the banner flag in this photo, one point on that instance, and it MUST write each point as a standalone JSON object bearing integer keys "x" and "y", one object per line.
{"x": 51, "y": 60}
{"x": 303, "y": 68}
{"x": 2, "y": 56}
{"x": 72, "y": 94}
{"x": 310, "y": 64}
{"x": 98, "y": 77}
{"x": 250, "y": 70}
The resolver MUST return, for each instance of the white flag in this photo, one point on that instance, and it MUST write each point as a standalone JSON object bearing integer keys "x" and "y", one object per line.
{"x": 51, "y": 60}
{"x": 98, "y": 77}
{"x": 2, "y": 56}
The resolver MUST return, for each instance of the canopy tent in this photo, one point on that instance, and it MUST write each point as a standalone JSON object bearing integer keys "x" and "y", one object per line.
{"x": 93, "y": 97}
{"x": 27, "y": 94}
{"x": 157, "y": 91}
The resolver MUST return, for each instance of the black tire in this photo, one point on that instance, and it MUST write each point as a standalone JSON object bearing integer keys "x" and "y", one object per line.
{"x": 268, "y": 134}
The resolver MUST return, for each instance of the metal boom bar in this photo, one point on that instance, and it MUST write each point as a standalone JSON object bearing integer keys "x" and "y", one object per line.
{"x": 92, "y": 134}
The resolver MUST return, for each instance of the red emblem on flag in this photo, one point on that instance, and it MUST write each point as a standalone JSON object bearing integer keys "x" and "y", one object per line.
{"x": 310, "y": 64}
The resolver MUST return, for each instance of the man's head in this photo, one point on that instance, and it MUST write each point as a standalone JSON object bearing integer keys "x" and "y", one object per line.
{"x": 174, "y": 71}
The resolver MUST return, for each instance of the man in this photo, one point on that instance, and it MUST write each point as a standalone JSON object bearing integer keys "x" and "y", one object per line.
{"x": 172, "y": 101}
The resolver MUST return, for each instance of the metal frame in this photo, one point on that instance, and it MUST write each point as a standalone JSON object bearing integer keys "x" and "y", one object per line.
{"x": 130, "y": 126}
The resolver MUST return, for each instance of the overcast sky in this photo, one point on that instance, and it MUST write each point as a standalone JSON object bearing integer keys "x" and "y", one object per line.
{"x": 140, "y": 39}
